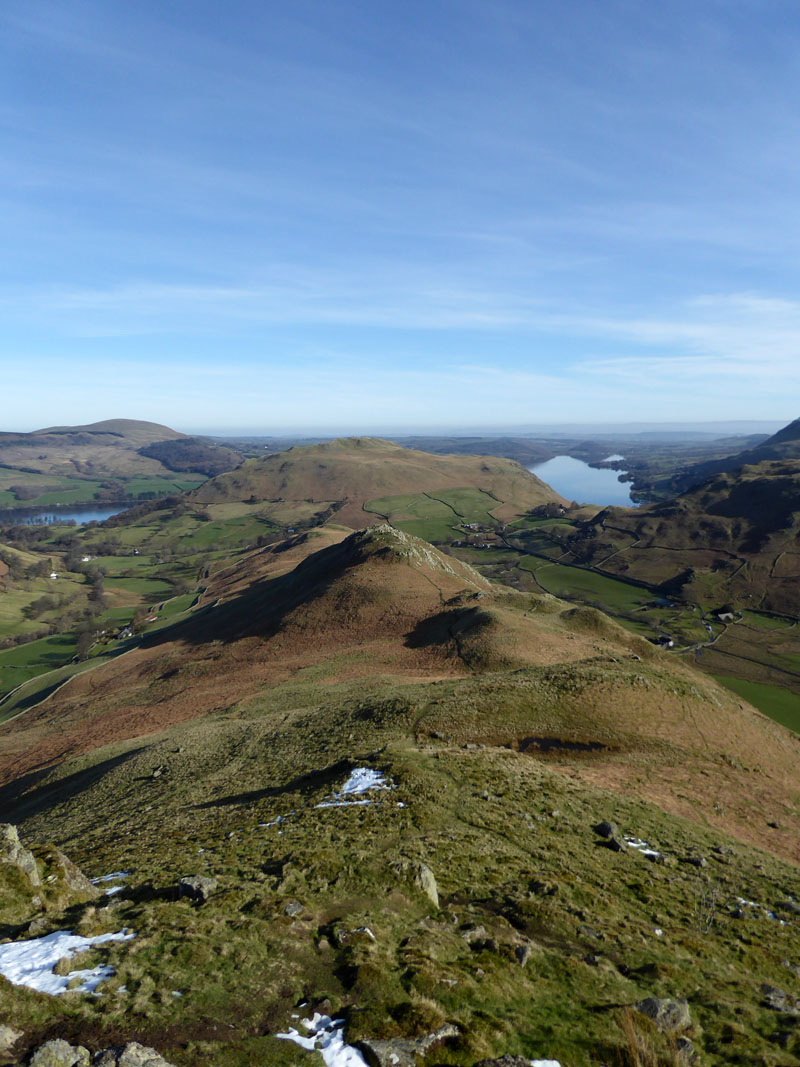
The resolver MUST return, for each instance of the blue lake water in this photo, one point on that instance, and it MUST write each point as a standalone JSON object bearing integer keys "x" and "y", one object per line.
{"x": 53, "y": 516}
{"x": 576, "y": 480}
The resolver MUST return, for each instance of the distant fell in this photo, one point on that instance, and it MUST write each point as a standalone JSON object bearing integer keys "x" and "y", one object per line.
{"x": 134, "y": 431}
{"x": 349, "y": 472}
{"x": 783, "y": 445}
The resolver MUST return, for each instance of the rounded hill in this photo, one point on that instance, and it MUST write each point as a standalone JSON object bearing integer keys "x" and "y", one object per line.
{"x": 348, "y": 473}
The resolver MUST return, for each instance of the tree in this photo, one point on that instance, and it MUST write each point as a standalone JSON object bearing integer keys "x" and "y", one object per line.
{"x": 84, "y": 639}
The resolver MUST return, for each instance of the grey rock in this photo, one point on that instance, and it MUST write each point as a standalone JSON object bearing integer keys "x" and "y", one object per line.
{"x": 401, "y": 1052}
{"x": 667, "y": 1013}
{"x": 422, "y": 877}
{"x": 12, "y": 851}
{"x": 779, "y": 1000}
{"x": 74, "y": 877}
{"x": 197, "y": 887}
{"x": 8, "y": 1038}
{"x": 392, "y": 1053}
{"x": 131, "y": 1055}
{"x": 616, "y": 844}
{"x": 522, "y": 954}
{"x": 60, "y": 1053}
{"x": 606, "y": 829}
{"x": 293, "y": 908}
{"x": 790, "y": 906}
{"x": 696, "y": 861}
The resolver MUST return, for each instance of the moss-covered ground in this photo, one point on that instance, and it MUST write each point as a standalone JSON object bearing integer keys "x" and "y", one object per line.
{"x": 521, "y": 876}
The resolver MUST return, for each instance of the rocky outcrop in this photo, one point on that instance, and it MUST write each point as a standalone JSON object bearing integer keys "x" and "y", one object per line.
{"x": 12, "y": 851}
{"x": 74, "y": 878}
{"x": 131, "y": 1055}
{"x": 421, "y": 876}
{"x": 402, "y": 1052}
{"x": 60, "y": 1053}
{"x": 8, "y": 1038}
{"x": 668, "y": 1014}
{"x": 197, "y": 887}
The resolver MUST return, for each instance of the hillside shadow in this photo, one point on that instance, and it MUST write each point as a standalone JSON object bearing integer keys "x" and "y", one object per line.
{"x": 22, "y": 799}
{"x": 259, "y": 610}
{"x": 304, "y": 784}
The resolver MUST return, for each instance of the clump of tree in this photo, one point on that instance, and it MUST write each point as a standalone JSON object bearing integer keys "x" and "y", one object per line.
{"x": 28, "y": 492}
{"x": 193, "y": 454}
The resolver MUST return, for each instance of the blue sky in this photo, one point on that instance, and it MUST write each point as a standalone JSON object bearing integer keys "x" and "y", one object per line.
{"x": 368, "y": 215}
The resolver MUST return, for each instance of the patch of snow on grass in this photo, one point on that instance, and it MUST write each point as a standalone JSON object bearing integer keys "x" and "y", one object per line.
{"x": 115, "y": 877}
{"x": 362, "y": 780}
{"x": 327, "y": 1037}
{"x": 770, "y": 914}
{"x": 31, "y": 963}
{"x": 545, "y": 1063}
{"x": 643, "y": 847}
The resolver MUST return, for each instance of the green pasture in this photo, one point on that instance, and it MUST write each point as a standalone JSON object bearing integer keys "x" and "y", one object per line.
{"x": 176, "y": 605}
{"x": 765, "y": 622}
{"x": 79, "y": 492}
{"x": 780, "y": 704}
{"x": 148, "y": 587}
{"x": 596, "y": 589}
{"x": 20, "y": 664}
{"x": 419, "y": 515}
{"x": 472, "y": 505}
{"x": 118, "y": 564}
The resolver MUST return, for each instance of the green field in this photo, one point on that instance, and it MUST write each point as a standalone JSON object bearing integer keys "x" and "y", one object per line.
{"x": 20, "y": 664}
{"x": 766, "y": 622}
{"x": 780, "y": 704}
{"x": 118, "y": 564}
{"x": 152, "y": 588}
{"x": 595, "y": 589}
{"x": 438, "y": 516}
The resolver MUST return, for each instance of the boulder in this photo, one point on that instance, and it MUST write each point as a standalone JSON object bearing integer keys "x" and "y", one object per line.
{"x": 667, "y": 1013}
{"x": 8, "y": 1038}
{"x": 74, "y": 877}
{"x": 402, "y": 1052}
{"x": 393, "y": 1053}
{"x": 12, "y": 851}
{"x": 606, "y": 829}
{"x": 197, "y": 887}
{"x": 779, "y": 1000}
{"x": 422, "y": 877}
{"x": 60, "y": 1053}
{"x": 131, "y": 1055}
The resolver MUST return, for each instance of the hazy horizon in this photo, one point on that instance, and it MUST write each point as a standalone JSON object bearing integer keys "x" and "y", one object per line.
{"x": 716, "y": 427}
{"x": 468, "y": 213}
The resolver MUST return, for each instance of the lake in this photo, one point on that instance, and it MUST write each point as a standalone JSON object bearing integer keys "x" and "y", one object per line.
{"x": 576, "y": 480}
{"x": 53, "y": 516}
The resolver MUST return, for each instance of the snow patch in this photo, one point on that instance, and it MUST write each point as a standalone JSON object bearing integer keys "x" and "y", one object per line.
{"x": 770, "y": 914}
{"x": 115, "y": 877}
{"x": 362, "y": 780}
{"x": 326, "y": 1037}
{"x": 643, "y": 847}
{"x": 31, "y": 963}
